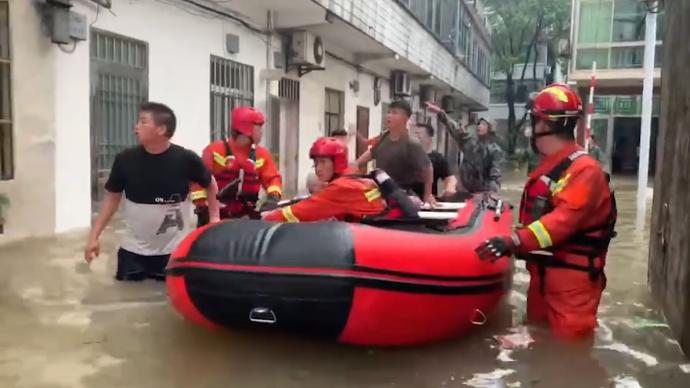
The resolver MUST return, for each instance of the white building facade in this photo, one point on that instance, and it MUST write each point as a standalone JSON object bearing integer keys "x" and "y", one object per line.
{"x": 69, "y": 107}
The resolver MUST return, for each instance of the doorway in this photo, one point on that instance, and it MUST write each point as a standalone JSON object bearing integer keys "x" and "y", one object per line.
{"x": 362, "y": 130}
{"x": 626, "y": 145}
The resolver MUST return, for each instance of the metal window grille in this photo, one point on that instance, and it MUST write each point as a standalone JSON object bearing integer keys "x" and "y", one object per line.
{"x": 333, "y": 112}
{"x": 6, "y": 140}
{"x": 288, "y": 89}
{"x": 119, "y": 84}
{"x": 232, "y": 85}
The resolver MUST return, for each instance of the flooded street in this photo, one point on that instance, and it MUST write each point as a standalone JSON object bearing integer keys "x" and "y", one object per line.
{"x": 65, "y": 325}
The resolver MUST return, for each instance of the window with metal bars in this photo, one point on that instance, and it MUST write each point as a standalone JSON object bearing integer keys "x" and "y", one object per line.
{"x": 232, "y": 85}
{"x": 334, "y": 110}
{"x": 6, "y": 138}
{"x": 288, "y": 89}
{"x": 119, "y": 84}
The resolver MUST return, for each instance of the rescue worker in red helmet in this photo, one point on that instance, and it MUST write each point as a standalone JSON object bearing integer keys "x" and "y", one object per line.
{"x": 241, "y": 169}
{"x": 344, "y": 198}
{"x": 567, "y": 219}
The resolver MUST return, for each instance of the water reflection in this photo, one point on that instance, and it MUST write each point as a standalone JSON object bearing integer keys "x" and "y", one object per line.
{"x": 63, "y": 325}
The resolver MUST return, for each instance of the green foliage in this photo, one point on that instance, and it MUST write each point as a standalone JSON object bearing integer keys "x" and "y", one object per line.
{"x": 517, "y": 27}
{"x": 517, "y": 23}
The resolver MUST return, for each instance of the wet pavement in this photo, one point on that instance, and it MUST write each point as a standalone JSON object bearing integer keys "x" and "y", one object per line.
{"x": 63, "y": 324}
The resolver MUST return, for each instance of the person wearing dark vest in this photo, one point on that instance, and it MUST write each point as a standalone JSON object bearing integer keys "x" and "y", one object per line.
{"x": 241, "y": 169}
{"x": 425, "y": 134}
{"x": 567, "y": 219}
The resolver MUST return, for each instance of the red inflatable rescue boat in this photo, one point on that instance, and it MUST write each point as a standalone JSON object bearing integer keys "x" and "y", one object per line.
{"x": 386, "y": 283}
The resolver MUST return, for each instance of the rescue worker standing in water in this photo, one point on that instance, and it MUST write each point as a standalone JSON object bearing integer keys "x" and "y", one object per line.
{"x": 241, "y": 169}
{"x": 344, "y": 198}
{"x": 567, "y": 217}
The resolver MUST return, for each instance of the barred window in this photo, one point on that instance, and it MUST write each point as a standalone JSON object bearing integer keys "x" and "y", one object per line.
{"x": 232, "y": 85}
{"x": 119, "y": 84}
{"x": 6, "y": 140}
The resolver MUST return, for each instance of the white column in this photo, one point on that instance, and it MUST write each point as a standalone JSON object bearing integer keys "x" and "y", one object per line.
{"x": 647, "y": 88}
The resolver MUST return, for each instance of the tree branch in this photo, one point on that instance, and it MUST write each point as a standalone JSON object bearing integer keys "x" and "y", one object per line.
{"x": 532, "y": 43}
{"x": 534, "y": 64}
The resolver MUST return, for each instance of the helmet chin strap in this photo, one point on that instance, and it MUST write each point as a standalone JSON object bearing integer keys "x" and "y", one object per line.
{"x": 535, "y": 136}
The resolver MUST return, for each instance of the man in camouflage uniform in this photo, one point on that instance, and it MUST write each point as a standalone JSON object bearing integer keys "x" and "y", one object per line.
{"x": 481, "y": 157}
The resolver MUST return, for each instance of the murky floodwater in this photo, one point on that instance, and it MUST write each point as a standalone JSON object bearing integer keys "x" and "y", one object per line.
{"x": 65, "y": 325}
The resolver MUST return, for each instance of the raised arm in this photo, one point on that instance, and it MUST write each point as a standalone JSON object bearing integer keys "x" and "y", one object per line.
{"x": 454, "y": 129}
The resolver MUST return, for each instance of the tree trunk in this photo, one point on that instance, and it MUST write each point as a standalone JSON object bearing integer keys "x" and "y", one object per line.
{"x": 669, "y": 246}
{"x": 534, "y": 63}
{"x": 513, "y": 126}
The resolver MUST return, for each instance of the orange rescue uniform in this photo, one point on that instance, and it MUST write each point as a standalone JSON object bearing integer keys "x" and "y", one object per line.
{"x": 580, "y": 207}
{"x": 344, "y": 199}
{"x": 217, "y": 161}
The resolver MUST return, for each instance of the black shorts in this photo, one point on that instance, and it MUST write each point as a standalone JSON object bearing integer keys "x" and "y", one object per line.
{"x": 135, "y": 267}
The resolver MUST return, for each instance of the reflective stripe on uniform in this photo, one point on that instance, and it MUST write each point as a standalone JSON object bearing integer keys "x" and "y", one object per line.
{"x": 199, "y": 194}
{"x": 555, "y": 187}
{"x": 259, "y": 163}
{"x": 372, "y": 194}
{"x": 289, "y": 215}
{"x": 218, "y": 158}
{"x": 274, "y": 189}
{"x": 540, "y": 232}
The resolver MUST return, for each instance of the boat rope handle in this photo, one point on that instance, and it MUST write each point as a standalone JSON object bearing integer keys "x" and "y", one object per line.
{"x": 482, "y": 317}
{"x": 262, "y": 315}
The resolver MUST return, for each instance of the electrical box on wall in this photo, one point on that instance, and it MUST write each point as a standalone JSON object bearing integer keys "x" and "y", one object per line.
{"x": 65, "y": 25}
{"x": 232, "y": 43}
{"x": 77, "y": 26}
{"x": 60, "y": 20}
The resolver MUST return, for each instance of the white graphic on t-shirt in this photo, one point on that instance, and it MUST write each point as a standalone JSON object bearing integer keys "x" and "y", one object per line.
{"x": 157, "y": 228}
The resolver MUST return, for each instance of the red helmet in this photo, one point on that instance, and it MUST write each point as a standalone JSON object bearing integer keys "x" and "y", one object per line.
{"x": 332, "y": 148}
{"x": 244, "y": 118}
{"x": 555, "y": 102}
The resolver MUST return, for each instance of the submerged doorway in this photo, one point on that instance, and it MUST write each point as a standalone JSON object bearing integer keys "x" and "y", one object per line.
{"x": 626, "y": 145}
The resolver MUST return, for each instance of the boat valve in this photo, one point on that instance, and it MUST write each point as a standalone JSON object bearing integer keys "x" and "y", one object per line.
{"x": 499, "y": 210}
{"x": 262, "y": 315}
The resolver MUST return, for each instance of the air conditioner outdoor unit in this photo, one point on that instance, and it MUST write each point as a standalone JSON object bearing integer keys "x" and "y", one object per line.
{"x": 400, "y": 84}
{"x": 427, "y": 93}
{"x": 307, "y": 49}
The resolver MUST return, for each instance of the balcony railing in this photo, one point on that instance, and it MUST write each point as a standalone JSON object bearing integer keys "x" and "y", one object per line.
{"x": 618, "y": 55}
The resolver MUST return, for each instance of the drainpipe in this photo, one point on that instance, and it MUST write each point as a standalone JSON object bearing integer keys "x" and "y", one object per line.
{"x": 269, "y": 63}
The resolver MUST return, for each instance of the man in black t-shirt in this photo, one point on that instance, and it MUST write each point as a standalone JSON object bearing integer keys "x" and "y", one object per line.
{"x": 155, "y": 178}
{"x": 425, "y": 134}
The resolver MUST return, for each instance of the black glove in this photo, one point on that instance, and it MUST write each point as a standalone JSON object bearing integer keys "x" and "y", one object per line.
{"x": 270, "y": 203}
{"x": 495, "y": 248}
{"x": 202, "y": 216}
